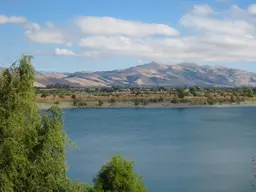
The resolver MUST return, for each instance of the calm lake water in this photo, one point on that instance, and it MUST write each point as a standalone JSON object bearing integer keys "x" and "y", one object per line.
{"x": 179, "y": 150}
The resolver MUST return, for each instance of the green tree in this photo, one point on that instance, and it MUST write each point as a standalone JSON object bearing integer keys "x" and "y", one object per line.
{"x": 73, "y": 96}
{"x": 181, "y": 93}
{"x": 192, "y": 90}
{"x": 250, "y": 92}
{"x": 32, "y": 149}
{"x": 118, "y": 176}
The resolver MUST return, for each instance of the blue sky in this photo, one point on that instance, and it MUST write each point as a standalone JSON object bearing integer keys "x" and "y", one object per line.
{"x": 82, "y": 35}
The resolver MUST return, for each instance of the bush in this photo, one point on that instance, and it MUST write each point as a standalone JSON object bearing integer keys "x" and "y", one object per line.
{"x": 181, "y": 93}
{"x": 136, "y": 102}
{"x": 79, "y": 102}
{"x": 161, "y": 99}
{"x": 175, "y": 100}
{"x": 118, "y": 176}
{"x": 100, "y": 103}
{"x": 210, "y": 101}
{"x": 61, "y": 95}
{"x": 112, "y": 101}
{"x": 73, "y": 96}
{"x": 44, "y": 95}
{"x": 145, "y": 102}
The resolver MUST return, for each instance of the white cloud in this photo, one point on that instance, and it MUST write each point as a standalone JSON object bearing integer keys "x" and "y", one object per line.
{"x": 46, "y": 36}
{"x": 12, "y": 19}
{"x": 202, "y": 10}
{"x": 218, "y": 25}
{"x": 113, "y": 26}
{"x": 223, "y": 36}
{"x": 211, "y": 36}
{"x": 252, "y": 9}
{"x": 69, "y": 44}
{"x": 49, "y": 24}
{"x": 64, "y": 52}
{"x": 32, "y": 26}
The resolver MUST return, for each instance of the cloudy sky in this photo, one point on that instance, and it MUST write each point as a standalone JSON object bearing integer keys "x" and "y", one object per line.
{"x": 89, "y": 35}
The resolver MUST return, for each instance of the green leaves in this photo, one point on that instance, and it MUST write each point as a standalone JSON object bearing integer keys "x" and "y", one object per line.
{"x": 118, "y": 175}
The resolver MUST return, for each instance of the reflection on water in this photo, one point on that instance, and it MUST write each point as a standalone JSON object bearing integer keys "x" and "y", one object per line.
{"x": 188, "y": 150}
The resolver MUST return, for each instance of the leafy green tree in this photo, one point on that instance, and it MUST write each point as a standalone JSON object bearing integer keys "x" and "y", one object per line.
{"x": 250, "y": 92}
{"x": 170, "y": 92}
{"x": 192, "y": 90}
{"x": 73, "y": 96}
{"x": 32, "y": 149}
{"x": 181, "y": 93}
{"x": 44, "y": 94}
{"x": 118, "y": 176}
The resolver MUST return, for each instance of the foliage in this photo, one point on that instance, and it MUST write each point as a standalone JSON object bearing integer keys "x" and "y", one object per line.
{"x": 45, "y": 94}
{"x": 193, "y": 90}
{"x": 118, "y": 176}
{"x": 73, "y": 96}
{"x": 136, "y": 102}
{"x": 79, "y": 102}
{"x": 100, "y": 103}
{"x": 210, "y": 100}
{"x": 32, "y": 149}
{"x": 181, "y": 93}
{"x": 250, "y": 92}
{"x": 112, "y": 101}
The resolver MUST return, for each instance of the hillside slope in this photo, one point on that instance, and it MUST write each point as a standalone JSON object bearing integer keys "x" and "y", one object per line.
{"x": 154, "y": 74}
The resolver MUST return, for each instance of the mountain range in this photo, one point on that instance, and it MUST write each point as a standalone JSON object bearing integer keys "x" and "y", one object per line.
{"x": 153, "y": 74}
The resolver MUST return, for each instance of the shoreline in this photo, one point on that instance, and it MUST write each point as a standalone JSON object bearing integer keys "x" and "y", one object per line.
{"x": 161, "y": 105}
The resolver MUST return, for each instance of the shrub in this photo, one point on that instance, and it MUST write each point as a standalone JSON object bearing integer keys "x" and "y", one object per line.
{"x": 73, "y": 96}
{"x": 136, "y": 102}
{"x": 44, "y": 94}
{"x": 100, "y": 103}
{"x": 61, "y": 95}
{"x": 175, "y": 100}
{"x": 118, "y": 176}
{"x": 210, "y": 101}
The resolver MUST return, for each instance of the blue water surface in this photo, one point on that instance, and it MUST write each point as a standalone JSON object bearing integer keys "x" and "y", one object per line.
{"x": 176, "y": 150}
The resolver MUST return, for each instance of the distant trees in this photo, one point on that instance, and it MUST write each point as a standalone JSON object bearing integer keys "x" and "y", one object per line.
{"x": 112, "y": 101}
{"x": 100, "y": 103}
{"x": 250, "y": 92}
{"x": 118, "y": 176}
{"x": 181, "y": 93}
{"x": 79, "y": 102}
{"x": 192, "y": 90}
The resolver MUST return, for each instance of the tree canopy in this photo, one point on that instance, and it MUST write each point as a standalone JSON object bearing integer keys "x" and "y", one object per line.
{"x": 118, "y": 176}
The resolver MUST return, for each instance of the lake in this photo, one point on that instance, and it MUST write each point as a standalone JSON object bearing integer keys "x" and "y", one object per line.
{"x": 179, "y": 150}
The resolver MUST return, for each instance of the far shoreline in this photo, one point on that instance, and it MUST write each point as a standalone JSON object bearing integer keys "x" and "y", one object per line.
{"x": 130, "y": 105}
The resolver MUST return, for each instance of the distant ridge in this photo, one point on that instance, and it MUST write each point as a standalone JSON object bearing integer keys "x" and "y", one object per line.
{"x": 154, "y": 74}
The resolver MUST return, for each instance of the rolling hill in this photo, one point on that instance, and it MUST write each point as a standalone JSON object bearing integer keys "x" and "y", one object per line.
{"x": 154, "y": 74}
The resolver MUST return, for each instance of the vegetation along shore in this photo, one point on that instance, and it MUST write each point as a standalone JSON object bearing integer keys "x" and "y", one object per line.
{"x": 121, "y": 97}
